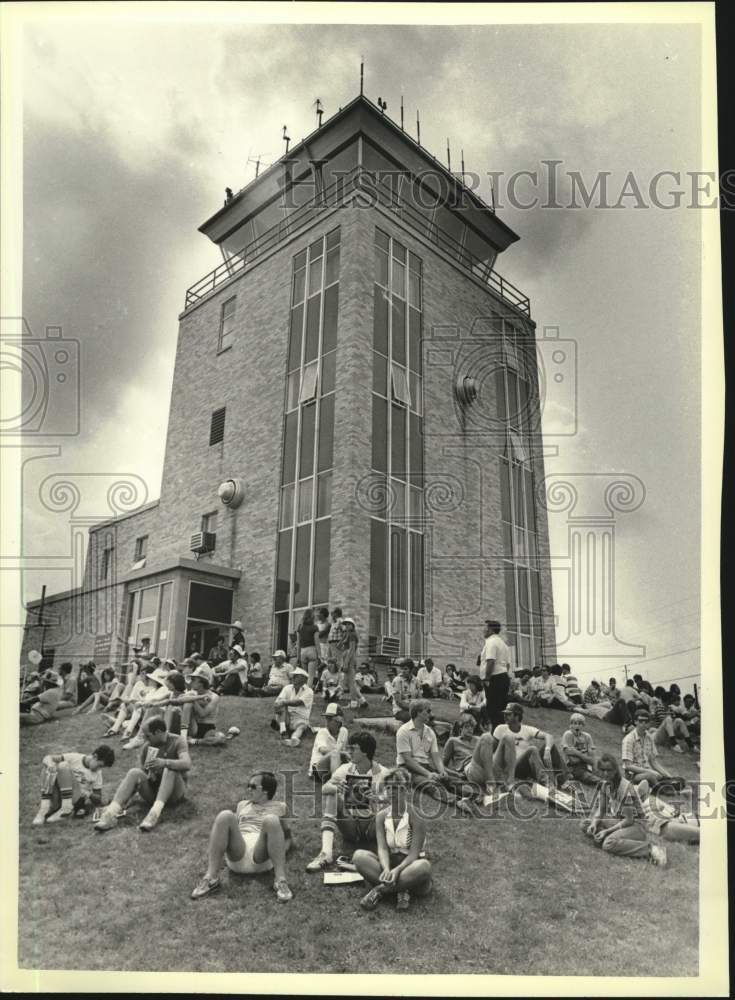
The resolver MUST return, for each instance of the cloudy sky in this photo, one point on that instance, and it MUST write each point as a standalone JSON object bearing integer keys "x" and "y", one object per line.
{"x": 132, "y": 130}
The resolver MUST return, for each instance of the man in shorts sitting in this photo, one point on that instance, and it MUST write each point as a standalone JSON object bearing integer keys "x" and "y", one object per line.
{"x": 292, "y": 709}
{"x": 72, "y": 783}
{"x": 253, "y": 839}
{"x": 349, "y": 799}
{"x": 199, "y": 713}
{"x": 45, "y": 707}
{"x": 161, "y": 778}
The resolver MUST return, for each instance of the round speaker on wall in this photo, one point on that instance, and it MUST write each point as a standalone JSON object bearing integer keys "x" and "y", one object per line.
{"x": 231, "y": 492}
{"x": 465, "y": 389}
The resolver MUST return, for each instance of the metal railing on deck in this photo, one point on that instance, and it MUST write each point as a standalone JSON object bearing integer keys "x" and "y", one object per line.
{"x": 374, "y": 189}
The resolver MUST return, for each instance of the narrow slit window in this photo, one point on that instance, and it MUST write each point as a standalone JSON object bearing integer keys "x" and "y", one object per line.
{"x": 217, "y": 426}
{"x": 227, "y": 324}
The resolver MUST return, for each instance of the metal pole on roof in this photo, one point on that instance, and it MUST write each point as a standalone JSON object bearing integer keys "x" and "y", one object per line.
{"x": 362, "y": 75}
{"x": 418, "y": 127}
{"x": 401, "y": 112}
{"x": 449, "y": 157}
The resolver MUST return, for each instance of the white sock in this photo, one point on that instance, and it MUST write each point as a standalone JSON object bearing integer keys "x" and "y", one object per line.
{"x": 114, "y": 808}
{"x": 157, "y": 807}
{"x": 66, "y": 807}
{"x": 328, "y": 842}
{"x": 184, "y": 731}
{"x": 45, "y": 808}
{"x": 283, "y": 726}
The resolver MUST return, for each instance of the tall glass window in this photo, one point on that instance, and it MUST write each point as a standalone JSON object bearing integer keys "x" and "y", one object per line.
{"x": 302, "y": 564}
{"x": 518, "y": 409}
{"x": 396, "y": 530}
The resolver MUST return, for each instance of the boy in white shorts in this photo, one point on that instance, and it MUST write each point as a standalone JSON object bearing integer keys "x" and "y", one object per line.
{"x": 251, "y": 840}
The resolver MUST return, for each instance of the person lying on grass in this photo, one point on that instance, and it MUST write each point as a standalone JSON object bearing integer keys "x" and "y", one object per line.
{"x": 528, "y": 763}
{"x": 330, "y": 745}
{"x": 45, "y": 707}
{"x": 71, "y": 783}
{"x": 617, "y": 823}
{"x": 292, "y": 709}
{"x": 640, "y": 757}
{"x": 398, "y": 868}
{"x": 579, "y": 751}
{"x": 469, "y": 759}
{"x": 349, "y": 800}
{"x": 160, "y": 780}
{"x": 253, "y": 839}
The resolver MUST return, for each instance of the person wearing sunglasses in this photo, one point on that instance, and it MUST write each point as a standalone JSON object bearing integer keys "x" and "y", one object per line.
{"x": 254, "y": 838}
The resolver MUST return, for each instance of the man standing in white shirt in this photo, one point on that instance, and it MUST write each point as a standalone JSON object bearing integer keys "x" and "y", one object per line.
{"x": 293, "y": 707}
{"x": 494, "y": 663}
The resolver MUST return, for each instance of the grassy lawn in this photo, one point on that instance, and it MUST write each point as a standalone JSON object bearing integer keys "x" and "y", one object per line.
{"x": 511, "y": 896}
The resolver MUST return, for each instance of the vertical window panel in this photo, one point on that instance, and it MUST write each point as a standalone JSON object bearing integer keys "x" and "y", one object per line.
{"x": 287, "y": 494}
{"x": 380, "y": 374}
{"x": 306, "y": 495}
{"x": 523, "y": 599}
{"x": 283, "y": 569}
{"x": 380, "y": 434}
{"x": 417, "y": 572}
{"x": 332, "y": 273}
{"x": 416, "y": 448}
{"x": 381, "y": 267}
{"x": 398, "y": 285}
{"x": 378, "y": 562}
{"x": 320, "y": 585}
{"x": 301, "y": 566}
{"x": 518, "y": 509}
{"x": 315, "y": 276}
{"x": 294, "y": 343}
{"x": 398, "y": 568}
{"x": 292, "y": 390}
{"x": 398, "y": 441}
{"x": 380, "y": 320}
{"x": 331, "y": 309}
{"x": 326, "y": 433}
{"x": 398, "y": 331}
{"x": 306, "y": 458}
{"x": 414, "y": 340}
{"x": 329, "y": 373}
{"x": 324, "y": 495}
{"x": 511, "y": 613}
{"x": 299, "y": 285}
{"x": 289, "y": 447}
{"x": 308, "y": 382}
{"x": 500, "y": 394}
{"x": 504, "y": 490}
{"x": 313, "y": 307}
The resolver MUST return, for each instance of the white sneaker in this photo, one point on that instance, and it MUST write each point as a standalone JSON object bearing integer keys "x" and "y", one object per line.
{"x": 40, "y": 818}
{"x": 658, "y": 856}
{"x": 59, "y": 815}
{"x": 678, "y": 749}
{"x": 320, "y": 862}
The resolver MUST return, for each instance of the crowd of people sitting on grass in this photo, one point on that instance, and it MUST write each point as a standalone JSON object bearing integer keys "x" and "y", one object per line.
{"x": 488, "y": 754}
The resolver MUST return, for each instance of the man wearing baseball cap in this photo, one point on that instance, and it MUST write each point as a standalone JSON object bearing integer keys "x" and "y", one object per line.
{"x": 330, "y": 744}
{"x": 293, "y": 708}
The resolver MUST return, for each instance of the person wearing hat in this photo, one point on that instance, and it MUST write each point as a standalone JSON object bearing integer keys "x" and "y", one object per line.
{"x": 149, "y": 705}
{"x": 199, "y": 713}
{"x": 230, "y": 677}
{"x": 279, "y": 675}
{"x": 135, "y": 687}
{"x": 161, "y": 778}
{"x": 293, "y": 708}
{"x": 349, "y": 800}
{"x": 238, "y": 636}
{"x": 640, "y": 756}
{"x": 201, "y": 665}
{"x": 45, "y": 707}
{"x": 330, "y": 744}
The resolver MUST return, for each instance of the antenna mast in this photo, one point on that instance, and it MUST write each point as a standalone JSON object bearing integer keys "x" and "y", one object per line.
{"x": 286, "y": 138}
{"x": 418, "y": 127}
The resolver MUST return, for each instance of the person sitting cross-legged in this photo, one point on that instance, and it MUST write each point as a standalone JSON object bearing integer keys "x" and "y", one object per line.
{"x": 617, "y": 823}
{"x": 429, "y": 679}
{"x": 640, "y": 757}
{"x": 349, "y": 799}
{"x": 292, "y": 709}
{"x": 330, "y": 745}
{"x": 231, "y": 676}
{"x": 529, "y": 764}
{"x": 399, "y": 868}
{"x": 160, "y": 780}
{"x": 253, "y": 839}
{"x": 72, "y": 783}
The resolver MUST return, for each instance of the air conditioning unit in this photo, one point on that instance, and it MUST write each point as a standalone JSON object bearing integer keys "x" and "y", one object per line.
{"x": 203, "y": 541}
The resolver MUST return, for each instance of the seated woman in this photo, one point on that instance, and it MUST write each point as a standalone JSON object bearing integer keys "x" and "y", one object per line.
{"x": 256, "y": 677}
{"x": 469, "y": 757}
{"x": 454, "y": 679}
{"x": 88, "y": 683}
{"x": 618, "y": 824}
{"x": 473, "y": 698}
{"x": 398, "y": 868}
{"x": 99, "y": 699}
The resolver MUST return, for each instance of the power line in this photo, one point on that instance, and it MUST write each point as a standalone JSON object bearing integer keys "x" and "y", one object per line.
{"x": 660, "y": 607}
{"x": 649, "y": 659}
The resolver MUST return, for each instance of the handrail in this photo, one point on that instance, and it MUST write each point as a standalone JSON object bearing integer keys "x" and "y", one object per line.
{"x": 329, "y": 198}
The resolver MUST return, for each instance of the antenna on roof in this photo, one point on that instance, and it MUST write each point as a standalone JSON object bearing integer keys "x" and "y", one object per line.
{"x": 286, "y": 138}
{"x": 492, "y": 193}
{"x": 362, "y": 74}
{"x": 418, "y": 127}
{"x": 382, "y": 105}
{"x": 319, "y": 112}
{"x": 449, "y": 157}
{"x": 401, "y": 112}
{"x": 256, "y": 161}
{"x": 462, "y": 152}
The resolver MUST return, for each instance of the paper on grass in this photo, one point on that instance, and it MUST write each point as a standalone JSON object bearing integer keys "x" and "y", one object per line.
{"x": 341, "y": 878}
